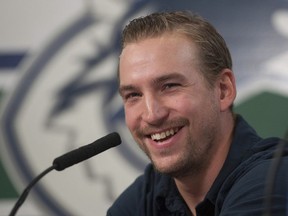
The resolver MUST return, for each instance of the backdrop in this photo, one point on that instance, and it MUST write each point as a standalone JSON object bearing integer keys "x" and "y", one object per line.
{"x": 58, "y": 63}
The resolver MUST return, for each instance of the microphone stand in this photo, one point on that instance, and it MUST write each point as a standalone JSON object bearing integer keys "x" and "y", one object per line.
{"x": 25, "y": 193}
{"x": 271, "y": 177}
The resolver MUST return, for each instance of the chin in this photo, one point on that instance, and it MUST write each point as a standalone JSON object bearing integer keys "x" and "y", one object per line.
{"x": 167, "y": 168}
{"x": 178, "y": 168}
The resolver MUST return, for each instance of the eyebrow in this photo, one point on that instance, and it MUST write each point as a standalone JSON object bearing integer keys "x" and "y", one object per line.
{"x": 170, "y": 76}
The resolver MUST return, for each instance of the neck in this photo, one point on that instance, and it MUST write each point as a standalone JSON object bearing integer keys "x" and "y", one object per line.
{"x": 194, "y": 188}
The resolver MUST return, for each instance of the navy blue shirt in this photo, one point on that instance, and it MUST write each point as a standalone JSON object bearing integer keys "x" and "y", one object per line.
{"x": 239, "y": 189}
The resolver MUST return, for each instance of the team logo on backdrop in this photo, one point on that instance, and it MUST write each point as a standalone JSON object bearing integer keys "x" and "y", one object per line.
{"x": 68, "y": 97}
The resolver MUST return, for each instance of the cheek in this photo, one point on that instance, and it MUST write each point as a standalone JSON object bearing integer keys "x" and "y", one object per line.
{"x": 184, "y": 105}
{"x": 130, "y": 118}
{"x": 196, "y": 102}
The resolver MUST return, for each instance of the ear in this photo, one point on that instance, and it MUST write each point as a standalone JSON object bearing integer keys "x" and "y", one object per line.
{"x": 227, "y": 89}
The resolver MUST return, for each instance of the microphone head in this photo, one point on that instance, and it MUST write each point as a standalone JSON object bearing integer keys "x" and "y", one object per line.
{"x": 87, "y": 151}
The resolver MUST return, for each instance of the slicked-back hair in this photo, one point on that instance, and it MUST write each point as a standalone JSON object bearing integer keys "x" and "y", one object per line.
{"x": 213, "y": 52}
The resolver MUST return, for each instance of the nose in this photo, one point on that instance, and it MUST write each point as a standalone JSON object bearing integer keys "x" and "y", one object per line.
{"x": 155, "y": 111}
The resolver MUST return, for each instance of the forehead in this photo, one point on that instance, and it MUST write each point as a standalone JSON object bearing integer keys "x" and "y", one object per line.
{"x": 155, "y": 55}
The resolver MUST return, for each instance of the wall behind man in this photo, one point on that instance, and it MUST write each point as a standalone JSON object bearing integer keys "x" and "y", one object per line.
{"x": 58, "y": 62}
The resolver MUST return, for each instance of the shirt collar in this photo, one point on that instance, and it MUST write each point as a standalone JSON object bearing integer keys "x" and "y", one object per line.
{"x": 168, "y": 195}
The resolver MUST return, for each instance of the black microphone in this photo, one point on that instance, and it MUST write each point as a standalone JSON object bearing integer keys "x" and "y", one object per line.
{"x": 69, "y": 159}
{"x": 86, "y": 152}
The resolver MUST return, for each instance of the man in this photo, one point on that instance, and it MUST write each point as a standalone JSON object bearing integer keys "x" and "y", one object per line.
{"x": 178, "y": 88}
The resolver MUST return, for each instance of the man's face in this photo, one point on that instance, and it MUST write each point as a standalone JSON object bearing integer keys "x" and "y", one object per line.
{"x": 170, "y": 111}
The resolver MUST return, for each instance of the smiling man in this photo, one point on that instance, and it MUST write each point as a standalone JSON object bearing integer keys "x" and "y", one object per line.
{"x": 178, "y": 89}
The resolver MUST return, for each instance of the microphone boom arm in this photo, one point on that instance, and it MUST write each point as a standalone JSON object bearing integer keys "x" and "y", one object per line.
{"x": 25, "y": 193}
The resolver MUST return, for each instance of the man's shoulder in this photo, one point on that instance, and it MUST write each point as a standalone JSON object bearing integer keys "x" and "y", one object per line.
{"x": 260, "y": 156}
{"x": 245, "y": 185}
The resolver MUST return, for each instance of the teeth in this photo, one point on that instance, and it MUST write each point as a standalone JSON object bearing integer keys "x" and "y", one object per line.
{"x": 163, "y": 135}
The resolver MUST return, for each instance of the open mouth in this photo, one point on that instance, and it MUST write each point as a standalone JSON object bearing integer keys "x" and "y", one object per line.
{"x": 164, "y": 135}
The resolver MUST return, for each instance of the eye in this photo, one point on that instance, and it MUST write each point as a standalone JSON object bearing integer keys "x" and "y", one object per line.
{"x": 131, "y": 96}
{"x": 170, "y": 85}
